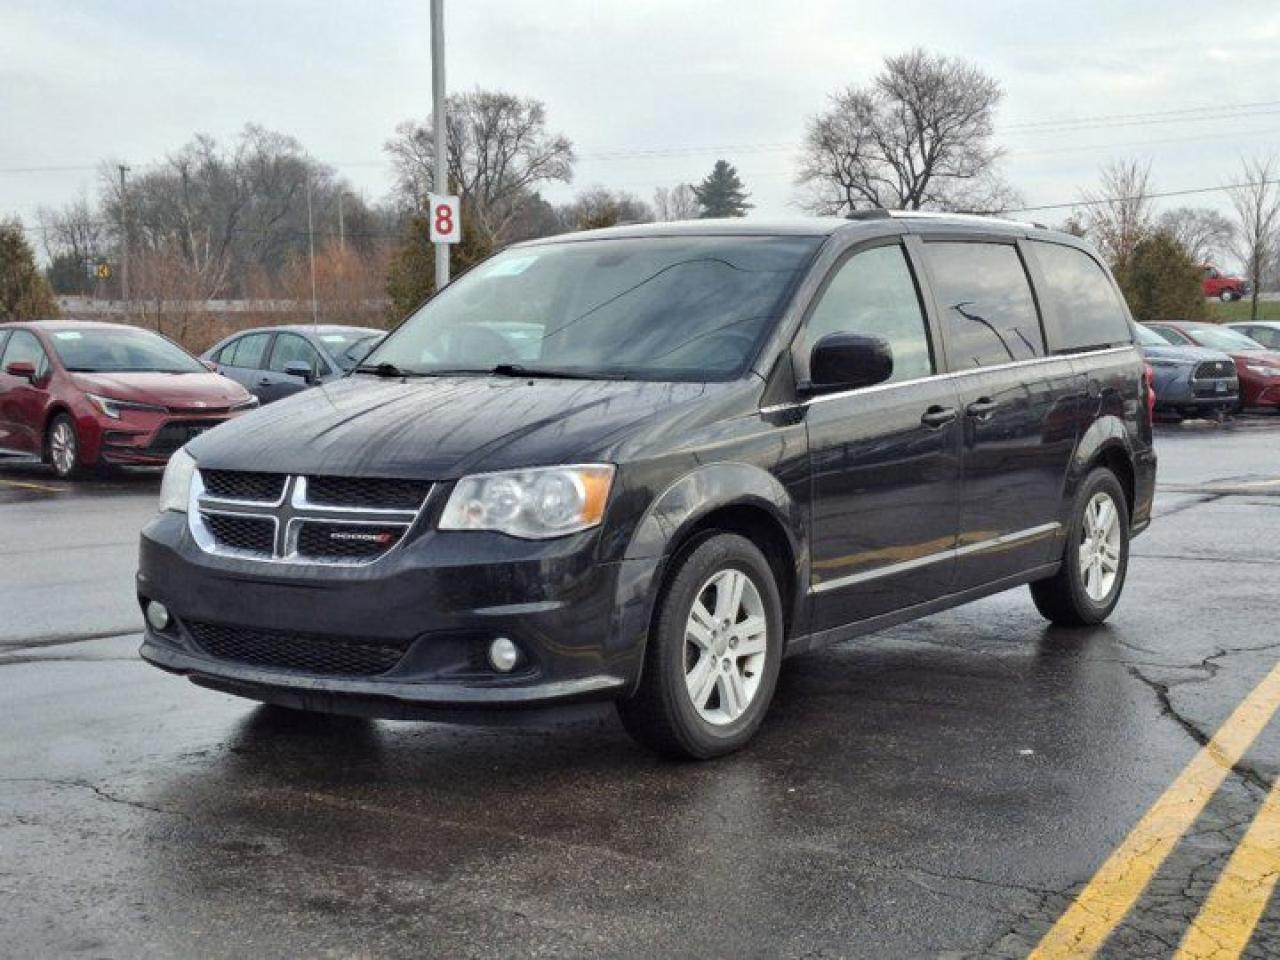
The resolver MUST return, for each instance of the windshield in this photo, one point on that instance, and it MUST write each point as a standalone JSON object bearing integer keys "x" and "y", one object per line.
{"x": 1149, "y": 338}
{"x": 653, "y": 308}
{"x": 1228, "y": 341}
{"x": 349, "y": 347}
{"x": 121, "y": 351}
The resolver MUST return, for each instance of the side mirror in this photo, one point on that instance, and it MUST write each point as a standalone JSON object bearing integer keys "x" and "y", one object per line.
{"x": 300, "y": 369}
{"x": 843, "y": 361}
{"x": 22, "y": 368}
{"x": 210, "y": 365}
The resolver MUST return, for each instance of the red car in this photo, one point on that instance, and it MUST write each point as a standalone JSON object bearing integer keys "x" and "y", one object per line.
{"x": 78, "y": 395}
{"x": 1223, "y": 286}
{"x": 1257, "y": 367}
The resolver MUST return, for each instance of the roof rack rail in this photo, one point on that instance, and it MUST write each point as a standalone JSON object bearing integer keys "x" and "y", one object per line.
{"x": 876, "y": 213}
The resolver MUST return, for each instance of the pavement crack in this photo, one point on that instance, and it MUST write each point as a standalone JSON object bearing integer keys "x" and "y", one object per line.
{"x": 1192, "y": 729}
{"x": 97, "y": 791}
{"x": 61, "y": 639}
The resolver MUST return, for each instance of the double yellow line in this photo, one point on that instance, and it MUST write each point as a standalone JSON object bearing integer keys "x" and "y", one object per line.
{"x": 1227, "y": 920}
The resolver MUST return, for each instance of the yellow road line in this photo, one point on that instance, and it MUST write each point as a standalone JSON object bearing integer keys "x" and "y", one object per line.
{"x": 30, "y": 486}
{"x": 1227, "y": 920}
{"x": 1115, "y": 888}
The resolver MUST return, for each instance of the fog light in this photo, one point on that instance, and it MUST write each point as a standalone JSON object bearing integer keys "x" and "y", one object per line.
{"x": 503, "y": 655}
{"x": 158, "y": 615}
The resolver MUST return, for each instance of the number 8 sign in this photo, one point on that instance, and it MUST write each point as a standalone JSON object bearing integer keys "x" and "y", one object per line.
{"x": 446, "y": 224}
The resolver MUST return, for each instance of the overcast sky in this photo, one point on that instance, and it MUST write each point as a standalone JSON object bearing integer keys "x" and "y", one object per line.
{"x": 651, "y": 92}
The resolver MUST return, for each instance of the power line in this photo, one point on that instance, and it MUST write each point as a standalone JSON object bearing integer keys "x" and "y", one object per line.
{"x": 1145, "y": 196}
{"x": 1061, "y": 125}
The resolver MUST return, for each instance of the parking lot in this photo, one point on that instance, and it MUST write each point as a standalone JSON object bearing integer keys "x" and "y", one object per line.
{"x": 945, "y": 788}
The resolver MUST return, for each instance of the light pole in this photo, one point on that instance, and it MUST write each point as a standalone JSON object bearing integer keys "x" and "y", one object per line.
{"x": 440, "y": 176}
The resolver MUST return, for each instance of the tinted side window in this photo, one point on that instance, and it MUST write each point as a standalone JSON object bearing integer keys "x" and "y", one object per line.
{"x": 24, "y": 346}
{"x": 988, "y": 313}
{"x": 291, "y": 348}
{"x": 874, "y": 294}
{"x": 1172, "y": 336}
{"x": 4, "y": 335}
{"x": 247, "y": 352}
{"x": 1087, "y": 306}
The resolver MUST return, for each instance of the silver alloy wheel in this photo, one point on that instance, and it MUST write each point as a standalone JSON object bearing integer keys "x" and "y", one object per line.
{"x": 725, "y": 639}
{"x": 1100, "y": 547}
{"x": 62, "y": 447}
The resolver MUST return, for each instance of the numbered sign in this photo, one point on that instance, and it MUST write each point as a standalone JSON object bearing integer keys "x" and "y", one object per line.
{"x": 446, "y": 222}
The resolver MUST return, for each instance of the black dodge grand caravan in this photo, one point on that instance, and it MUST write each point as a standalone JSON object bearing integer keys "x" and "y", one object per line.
{"x": 646, "y": 464}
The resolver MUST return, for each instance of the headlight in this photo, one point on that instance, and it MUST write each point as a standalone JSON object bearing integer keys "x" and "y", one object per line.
{"x": 534, "y": 504}
{"x": 112, "y": 408}
{"x": 245, "y": 404}
{"x": 175, "y": 488}
{"x": 1264, "y": 371}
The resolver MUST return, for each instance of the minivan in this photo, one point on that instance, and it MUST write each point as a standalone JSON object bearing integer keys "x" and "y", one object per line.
{"x": 645, "y": 464}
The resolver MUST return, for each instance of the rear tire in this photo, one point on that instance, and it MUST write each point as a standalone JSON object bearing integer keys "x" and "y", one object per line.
{"x": 711, "y": 664}
{"x": 1087, "y": 586}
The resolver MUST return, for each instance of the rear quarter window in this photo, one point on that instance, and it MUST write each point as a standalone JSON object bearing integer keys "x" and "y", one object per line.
{"x": 1082, "y": 297}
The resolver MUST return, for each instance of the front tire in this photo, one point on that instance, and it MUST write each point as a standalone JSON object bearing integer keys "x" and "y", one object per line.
{"x": 62, "y": 444}
{"x": 1226, "y": 296}
{"x": 1087, "y": 587}
{"x": 712, "y": 660}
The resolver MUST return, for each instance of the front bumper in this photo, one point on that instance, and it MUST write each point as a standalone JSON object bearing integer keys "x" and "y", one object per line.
{"x": 440, "y": 598}
{"x": 142, "y": 439}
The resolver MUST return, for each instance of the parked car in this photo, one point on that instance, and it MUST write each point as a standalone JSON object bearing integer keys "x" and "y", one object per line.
{"x": 274, "y": 362}
{"x": 1265, "y": 332}
{"x": 81, "y": 395}
{"x": 1189, "y": 381}
{"x": 737, "y": 441}
{"x": 1257, "y": 367}
{"x": 1226, "y": 287}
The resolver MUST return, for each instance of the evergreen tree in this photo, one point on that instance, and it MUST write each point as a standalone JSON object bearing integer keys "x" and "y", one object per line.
{"x": 721, "y": 194}
{"x": 24, "y": 292}
{"x": 1161, "y": 281}
{"x": 412, "y": 275}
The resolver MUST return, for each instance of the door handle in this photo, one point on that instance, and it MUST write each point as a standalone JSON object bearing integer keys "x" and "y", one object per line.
{"x": 937, "y": 416}
{"x": 982, "y": 408}
{"x": 264, "y": 382}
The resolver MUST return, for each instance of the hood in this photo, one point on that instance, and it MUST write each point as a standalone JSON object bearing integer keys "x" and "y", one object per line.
{"x": 179, "y": 391}
{"x": 1188, "y": 353}
{"x": 1267, "y": 358}
{"x": 441, "y": 427}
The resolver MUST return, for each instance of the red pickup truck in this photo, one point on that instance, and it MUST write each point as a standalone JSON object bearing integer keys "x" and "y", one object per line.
{"x": 1225, "y": 287}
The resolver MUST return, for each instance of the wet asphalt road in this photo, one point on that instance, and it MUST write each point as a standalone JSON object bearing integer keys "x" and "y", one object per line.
{"x": 942, "y": 789}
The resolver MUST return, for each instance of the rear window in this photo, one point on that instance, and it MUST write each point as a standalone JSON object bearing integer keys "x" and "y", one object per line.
{"x": 1083, "y": 299}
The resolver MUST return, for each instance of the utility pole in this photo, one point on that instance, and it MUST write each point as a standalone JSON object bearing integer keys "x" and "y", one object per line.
{"x": 311, "y": 245}
{"x": 124, "y": 239}
{"x": 342, "y": 229}
{"x": 440, "y": 177}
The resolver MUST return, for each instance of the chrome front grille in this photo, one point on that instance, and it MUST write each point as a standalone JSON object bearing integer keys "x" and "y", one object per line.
{"x": 281, "y": 518}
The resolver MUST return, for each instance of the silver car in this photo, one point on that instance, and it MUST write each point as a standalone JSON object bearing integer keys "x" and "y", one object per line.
{"x": 274, "y": 362}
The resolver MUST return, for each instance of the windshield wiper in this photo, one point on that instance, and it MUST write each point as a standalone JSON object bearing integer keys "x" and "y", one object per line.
{"x": 552, "y": 373}
{"x": 385, "y": 369}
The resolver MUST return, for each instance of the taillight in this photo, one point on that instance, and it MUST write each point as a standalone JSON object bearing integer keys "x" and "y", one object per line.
{"x": 1149, "y": 381}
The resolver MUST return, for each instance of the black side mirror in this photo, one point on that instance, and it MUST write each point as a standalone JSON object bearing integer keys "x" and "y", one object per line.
{"x": 843, "y": 361}
{"x": 300, "y": 369}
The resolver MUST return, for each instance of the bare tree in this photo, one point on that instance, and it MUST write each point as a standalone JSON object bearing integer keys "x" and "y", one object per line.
{"x": 73, "y": 238}
{"x": 601, "y": 207}
{"x": 1257, "y": 203}
{"x": 500, "y": 152}
{"x": 1118, "y": 214}
{"x": 675, "y": 203}
{"x": 920, "y": 135}
{"x": 1206, "y": 234}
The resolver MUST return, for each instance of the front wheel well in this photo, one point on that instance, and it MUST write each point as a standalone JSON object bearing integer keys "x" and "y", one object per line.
{"x": 761, "y": 528}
